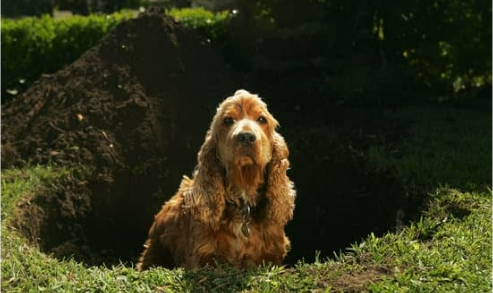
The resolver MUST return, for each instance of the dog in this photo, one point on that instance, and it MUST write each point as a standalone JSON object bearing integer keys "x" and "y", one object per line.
{"x": 238, "y": 201}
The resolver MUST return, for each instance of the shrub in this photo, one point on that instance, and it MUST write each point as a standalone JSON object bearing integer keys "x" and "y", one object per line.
{"x": 213, "y": 25}
{"x": 373, "y": 46}
{"x": 32, "y": 46}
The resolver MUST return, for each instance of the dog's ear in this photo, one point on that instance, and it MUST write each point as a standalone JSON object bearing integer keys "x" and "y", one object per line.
{"x": 208, "y": 192}
{"x": 280, "y": 150}
{"x": 280, "y": 190}
{"x": 207, "y": 155}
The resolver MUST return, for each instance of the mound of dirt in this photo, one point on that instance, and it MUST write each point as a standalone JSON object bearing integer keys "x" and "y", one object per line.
{"x": 136, "y": 97}
{"x": 134, "y": 109}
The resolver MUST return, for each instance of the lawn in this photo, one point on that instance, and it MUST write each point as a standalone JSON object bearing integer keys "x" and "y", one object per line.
{"x": 445, "y": 159}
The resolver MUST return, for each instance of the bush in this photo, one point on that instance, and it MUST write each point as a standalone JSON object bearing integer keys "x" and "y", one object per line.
{"x": 213, "y": 25}
{"x": 362, "y": 47}
{"x": 32, "y": 46}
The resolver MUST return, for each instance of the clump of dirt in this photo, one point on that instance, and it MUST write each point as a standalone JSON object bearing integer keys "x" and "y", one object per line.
{"x": 358, "y": 281}
{"x": 96, "y": 219}
{"x": 134, "y": 109}
{"x": 43, "y": 219}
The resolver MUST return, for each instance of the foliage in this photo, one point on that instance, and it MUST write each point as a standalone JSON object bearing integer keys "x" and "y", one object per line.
{"x": 446, "y": 42}
{"x": 44, "y": 45}
{"x": 213, "y": 25}
{"x": 32, "y": 46}
{"x": 371, "y": 48}
{"x": 334, "y": 48}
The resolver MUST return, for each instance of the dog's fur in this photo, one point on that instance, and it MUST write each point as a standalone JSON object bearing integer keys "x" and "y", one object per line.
{"x": 235, "y": 207}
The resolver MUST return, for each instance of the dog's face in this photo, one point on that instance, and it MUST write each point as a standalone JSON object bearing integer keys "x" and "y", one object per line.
{"x": 244, "y": 131}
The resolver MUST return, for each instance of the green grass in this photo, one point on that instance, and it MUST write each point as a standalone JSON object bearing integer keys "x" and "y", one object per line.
{"x": 17, "y": 183}
{"x": 445, "y": 146}
{"x": 36, "y": 45}
{"x": 441, "y": 252}
{"x": 445, "y": 158}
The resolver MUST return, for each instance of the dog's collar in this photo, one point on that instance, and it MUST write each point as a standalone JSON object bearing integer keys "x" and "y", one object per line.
{"x": 245, "y": 214}
{"x": 246, "y": 211}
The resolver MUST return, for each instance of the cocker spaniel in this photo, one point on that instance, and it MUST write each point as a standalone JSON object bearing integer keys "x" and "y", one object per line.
{"x": 235, "y": 207}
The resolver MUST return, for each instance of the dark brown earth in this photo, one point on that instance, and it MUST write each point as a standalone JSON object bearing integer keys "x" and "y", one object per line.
{"x": 144, "y": 93}
{"x": 133, "y": 112}
{"x": 134, "y": 109}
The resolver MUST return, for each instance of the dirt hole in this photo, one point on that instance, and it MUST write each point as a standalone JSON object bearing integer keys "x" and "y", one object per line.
{"x": 104, "y": 218}
{"x": 340, "y": 202}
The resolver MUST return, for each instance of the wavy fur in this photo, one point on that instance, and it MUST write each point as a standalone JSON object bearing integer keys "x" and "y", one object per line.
{"x": 235, "y": 207}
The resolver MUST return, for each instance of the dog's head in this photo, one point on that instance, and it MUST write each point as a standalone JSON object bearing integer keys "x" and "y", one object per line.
{"x": 243, "y": 140}
{"x": 244, "y": 129}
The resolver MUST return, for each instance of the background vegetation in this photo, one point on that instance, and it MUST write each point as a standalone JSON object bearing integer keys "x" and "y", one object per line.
{"x": 367, "y": 46}
{"x": 371, "y": 49}
{"x": 32, "y": 46}
{"x": 44, "y": 45}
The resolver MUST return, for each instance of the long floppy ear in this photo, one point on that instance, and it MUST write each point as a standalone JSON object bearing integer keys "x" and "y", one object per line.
{"x": 279, "y": 148}
{"x": 208, "y": 189}
{"x": 280, "y": 189}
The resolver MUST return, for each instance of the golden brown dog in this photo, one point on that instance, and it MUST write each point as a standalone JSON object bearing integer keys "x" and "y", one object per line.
{"x": 235, "y": 207}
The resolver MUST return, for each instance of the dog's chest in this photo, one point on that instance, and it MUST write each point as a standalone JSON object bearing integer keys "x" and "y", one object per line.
{"x": 234, "y": 238}
{"x": 242, "y": 214}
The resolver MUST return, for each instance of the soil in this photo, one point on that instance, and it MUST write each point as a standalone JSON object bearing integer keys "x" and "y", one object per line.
{"x": 133, "y": 112}
{"x": 146, "y": 92}
{"x": 134, "y": 109}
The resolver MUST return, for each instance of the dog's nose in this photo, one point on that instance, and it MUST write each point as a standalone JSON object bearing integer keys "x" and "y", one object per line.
{"x": 246, "y": 138}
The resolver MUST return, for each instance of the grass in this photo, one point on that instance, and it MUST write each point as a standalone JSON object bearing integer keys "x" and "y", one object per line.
{"x": 445, "y": 158}
{"x": 442, "y": 252}
{"x": 446, "y": 146}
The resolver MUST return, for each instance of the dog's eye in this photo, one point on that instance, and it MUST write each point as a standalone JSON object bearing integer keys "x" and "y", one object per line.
{"x": 261, "y": 120}
{"x": 228, "y": 121}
